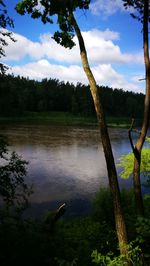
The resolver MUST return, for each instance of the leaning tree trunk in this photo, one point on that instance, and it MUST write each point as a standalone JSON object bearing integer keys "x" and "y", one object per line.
{"x": 139, "y": 144}
{"x": 112, "y": 174}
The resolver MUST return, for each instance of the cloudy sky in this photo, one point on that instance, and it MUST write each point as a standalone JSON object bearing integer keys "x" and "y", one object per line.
{"x": 113, "y": 40}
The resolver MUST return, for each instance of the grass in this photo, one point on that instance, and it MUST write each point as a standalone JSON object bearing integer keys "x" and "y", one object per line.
{"x": 64, "y": 119}
{"x": 121, "y": 122}
{"x": 54, "y": 118}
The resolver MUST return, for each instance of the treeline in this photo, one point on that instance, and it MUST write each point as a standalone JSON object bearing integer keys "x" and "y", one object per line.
{"x": 18, "y": 95}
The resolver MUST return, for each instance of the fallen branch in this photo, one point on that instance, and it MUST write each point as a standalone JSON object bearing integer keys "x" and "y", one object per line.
{"x": 59, "y": 212}
{"x": 53, "y": 217}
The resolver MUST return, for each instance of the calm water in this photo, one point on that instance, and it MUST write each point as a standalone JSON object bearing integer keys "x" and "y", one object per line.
{"x": 66, "y": 164}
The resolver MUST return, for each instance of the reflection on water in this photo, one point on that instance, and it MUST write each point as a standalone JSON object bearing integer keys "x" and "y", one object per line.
{"x": 65, "y": 163}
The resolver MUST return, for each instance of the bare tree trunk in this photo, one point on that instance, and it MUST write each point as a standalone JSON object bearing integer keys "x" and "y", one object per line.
{"x": 139, "y": 144}
{"x": 112, "y": 174}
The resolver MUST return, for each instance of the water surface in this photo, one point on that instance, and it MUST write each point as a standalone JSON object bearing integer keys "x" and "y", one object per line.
{"x": 65, "y": 163}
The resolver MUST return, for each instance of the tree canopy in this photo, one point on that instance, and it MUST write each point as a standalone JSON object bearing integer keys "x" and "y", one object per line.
{"x": 138, "y": 8}
{"x": 5, "y": 21}
{"x": 47, "y": 9}
{"x": 19, "y": 95}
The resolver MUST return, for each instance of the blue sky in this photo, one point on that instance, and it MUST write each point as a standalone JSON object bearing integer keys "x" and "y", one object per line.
{"x": 112, "y": 37}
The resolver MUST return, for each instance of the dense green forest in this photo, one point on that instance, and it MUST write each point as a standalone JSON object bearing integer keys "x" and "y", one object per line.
{"x": 18, "y": 95}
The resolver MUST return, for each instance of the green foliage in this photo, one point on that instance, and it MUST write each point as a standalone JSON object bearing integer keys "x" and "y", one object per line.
{"x": 103, "y": 206}
{"x": 5, "y": 22}
{"x": 146, "y": 199}
{"x": 102, "y": 212}
{"x": 13, "y": 189}
{"x": 80, "y": 236}
{"x": 62, "y": 262}
{"x": 143, "y": 236}
{"x": 19, "y": 95}
{"x": 62, "y": 9}
{"x": 133, "y": 256}
{"x": 148, "y": 139}
{"x": 143, "y": 229}
{"x": 64, "y": 39}
{"x": 137, "y": 8}
{"x": 127, "y": 162}
{"x": 72, "y": 242}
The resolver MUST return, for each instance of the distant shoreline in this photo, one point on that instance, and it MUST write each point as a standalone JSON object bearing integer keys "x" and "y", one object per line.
{"x": 66, "y": 119}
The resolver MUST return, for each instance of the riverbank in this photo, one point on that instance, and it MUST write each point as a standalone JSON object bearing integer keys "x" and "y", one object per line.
{"x": 65, "y": 119}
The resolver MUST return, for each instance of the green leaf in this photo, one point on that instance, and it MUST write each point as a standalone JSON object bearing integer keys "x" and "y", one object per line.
{"x": 127, "y": 163}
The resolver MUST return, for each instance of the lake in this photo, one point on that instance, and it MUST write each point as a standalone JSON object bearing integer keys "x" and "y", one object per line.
{"x": 66, "y": 164}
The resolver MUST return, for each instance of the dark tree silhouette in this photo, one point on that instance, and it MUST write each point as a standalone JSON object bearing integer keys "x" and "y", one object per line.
{"x": 142, "y": 13}
{"x": 5, "y": 21}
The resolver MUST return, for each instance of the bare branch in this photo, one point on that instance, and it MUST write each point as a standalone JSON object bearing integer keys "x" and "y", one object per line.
{"x": 59, "y": 212}
{"x": 134, "y": 148}
{"x": 142, "y": 79}
{"x": 130, "y": 136}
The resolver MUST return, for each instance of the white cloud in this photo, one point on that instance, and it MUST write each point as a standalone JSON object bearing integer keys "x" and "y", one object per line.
{"x": 43, "y": 69}
{"x": 106, "y": 35}
{"x": 102, "y": 52}
{"x": 101, "y": 49}
{"x": 104, "y": 74}
{"x": 22, "y": 47}
{"x": 99, "y": 44}
{"x": 107, "y": 7}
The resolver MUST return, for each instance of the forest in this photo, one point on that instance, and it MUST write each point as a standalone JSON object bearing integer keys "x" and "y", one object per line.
{"x": 19, "y": 95}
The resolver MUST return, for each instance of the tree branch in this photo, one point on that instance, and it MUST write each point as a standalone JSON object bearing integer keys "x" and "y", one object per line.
{"x": 130, "y": 136}
{"x": 134, "y": 149}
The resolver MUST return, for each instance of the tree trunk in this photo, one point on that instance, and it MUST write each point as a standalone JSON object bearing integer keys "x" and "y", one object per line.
{"x": 141, "y": 139}
{"x": 112, "y": 174}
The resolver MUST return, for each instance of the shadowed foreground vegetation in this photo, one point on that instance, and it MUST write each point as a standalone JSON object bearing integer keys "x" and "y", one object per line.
{"x": 37, "y": 242}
